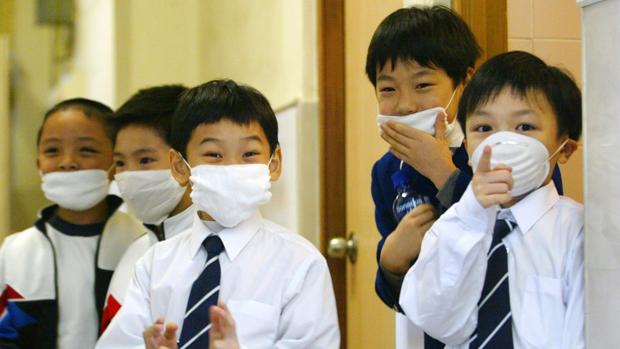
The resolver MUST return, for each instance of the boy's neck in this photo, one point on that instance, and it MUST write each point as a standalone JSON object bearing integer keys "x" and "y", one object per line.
{"x": 186, "y": 201}
{"x": 96, "y": 214}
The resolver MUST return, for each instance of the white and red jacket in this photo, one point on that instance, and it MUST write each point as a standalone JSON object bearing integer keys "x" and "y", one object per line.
{"x": 29, "y": 312}
{"x": 124, "y": 271}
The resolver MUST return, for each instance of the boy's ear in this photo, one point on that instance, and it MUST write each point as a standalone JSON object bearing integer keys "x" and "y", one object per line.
{"x": 569, "y": 148}
{"x": 112, "y": 172}
{"x": 178, "y": 168}
{"x": 468, "y": 75}
{"x": 275, "y": 168}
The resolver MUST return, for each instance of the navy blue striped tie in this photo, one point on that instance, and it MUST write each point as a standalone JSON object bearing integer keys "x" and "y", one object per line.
{"x": 205, "y": 292}
{"x": 494, "y": 328}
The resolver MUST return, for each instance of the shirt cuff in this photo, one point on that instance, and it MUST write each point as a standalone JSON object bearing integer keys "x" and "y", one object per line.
{"x": 446, "y": 193}
{"x": 472, "y": 214}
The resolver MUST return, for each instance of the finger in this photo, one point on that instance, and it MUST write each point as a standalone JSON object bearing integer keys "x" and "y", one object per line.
{"x": 420, "y": 210}
{"x": 499, "y": 176}
{"x": 495, "y": 188}
{"x": 394, "y": 141}
{"x": 398, "y": 154}
{"x": 216, "y": 325}
{"x": 440, "y": 126}
{"x": 498, "y": 199}
{"x": 171, "y": 331}
{"x": 426, "y": 227}
{"x": 485, "y": 160}
{"x": 422, "y": 218}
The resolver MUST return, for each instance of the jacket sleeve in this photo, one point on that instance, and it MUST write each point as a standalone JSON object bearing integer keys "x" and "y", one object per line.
{"x": 8, "y": 332}
{"x": 386, "y": 223}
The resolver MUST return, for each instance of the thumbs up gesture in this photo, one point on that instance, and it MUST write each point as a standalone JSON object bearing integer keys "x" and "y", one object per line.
{"x": 492, "y": 186}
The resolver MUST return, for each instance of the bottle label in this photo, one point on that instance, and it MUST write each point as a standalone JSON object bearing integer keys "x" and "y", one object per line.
{"x": 405, "y": 206}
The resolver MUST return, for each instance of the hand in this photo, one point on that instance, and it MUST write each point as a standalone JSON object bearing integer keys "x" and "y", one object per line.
{"x": 155, "y": 337}
{"x": 492, "y": 186}
{"x": 403, "y": 245}
{"x": 223, "y": 334}
{"x": 431, "y": 156}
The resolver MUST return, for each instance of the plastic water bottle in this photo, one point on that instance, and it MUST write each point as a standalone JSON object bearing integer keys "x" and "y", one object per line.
{"x": 406, "y": 198}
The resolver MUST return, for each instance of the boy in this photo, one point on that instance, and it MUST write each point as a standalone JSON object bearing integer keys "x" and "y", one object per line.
{"x": 275, "y": 283}
{"x": 503, "y": 267}
{"x": 418, "y": 59}
{"x": 54, "y": 275}
{"x": 145, "y": 182}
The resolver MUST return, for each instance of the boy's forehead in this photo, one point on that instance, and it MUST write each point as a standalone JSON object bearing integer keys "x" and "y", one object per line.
{"x": 72, "y": 123}
{"x": 226, "y": 130}
{"x": 407, "y": 66}
{"x": 138, "y": 136}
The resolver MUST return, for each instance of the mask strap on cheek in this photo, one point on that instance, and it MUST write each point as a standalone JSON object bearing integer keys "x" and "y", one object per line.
{"x": 559, "y": 149}
{"x": 450, "y": 101}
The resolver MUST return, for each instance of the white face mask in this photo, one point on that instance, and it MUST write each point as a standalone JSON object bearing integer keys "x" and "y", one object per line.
{"x": 230, "y": 194}
{"x": 527, "y": 156}
{"x": 151, "y": 194}
{"x": 76, "y": 190}
{"x": 425, "y": 121}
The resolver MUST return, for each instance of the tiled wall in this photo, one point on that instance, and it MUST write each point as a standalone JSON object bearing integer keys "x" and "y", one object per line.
{"x": 551, "y": 29}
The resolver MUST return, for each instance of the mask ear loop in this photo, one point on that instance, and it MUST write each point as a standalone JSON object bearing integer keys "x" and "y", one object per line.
{"x": 450, "y": 101}
{"x": 559, "y": 149}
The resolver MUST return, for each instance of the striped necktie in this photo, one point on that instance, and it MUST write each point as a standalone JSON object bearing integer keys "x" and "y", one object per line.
{"x": 204, "y": 294}
{"x": 494, "y": 328}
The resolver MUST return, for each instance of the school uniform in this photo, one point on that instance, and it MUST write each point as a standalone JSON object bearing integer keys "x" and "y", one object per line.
{"x": 384, "y": 193}
{"x": 442, "y": 292}
{"x": 275, "y": 283}
{"x": 54, "y": 277}
{"x": 124, "y": 271}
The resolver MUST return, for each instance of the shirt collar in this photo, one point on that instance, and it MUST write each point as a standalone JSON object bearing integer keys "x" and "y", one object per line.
{"x": 531, "y": 208}
{"x": 179, "y": 222}
{"x": 234, "y": 239}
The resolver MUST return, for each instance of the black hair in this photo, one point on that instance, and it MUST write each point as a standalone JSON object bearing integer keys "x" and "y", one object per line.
{"x": 151, "y": 107}
{"x": 221, "y": 99}
{"x": 435, "y": 37}
{"x": 88, "y": 107}
{"x": 525, "y": 73}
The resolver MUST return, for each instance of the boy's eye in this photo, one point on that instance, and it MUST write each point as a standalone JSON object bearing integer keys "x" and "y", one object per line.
{"x": 146, "y": 160}
{"x": 50, "y": 150}
{"x": 249, "y": 154}
{"x": 525, "y": 127}
{"x": 89, "y": 150}
{"x": 423, "y": 85}
{"x": 482, "y": 128}
{"x": 387, "y": 89}
{"x": 214, "y": 155}
{"x": 119, "y": 163}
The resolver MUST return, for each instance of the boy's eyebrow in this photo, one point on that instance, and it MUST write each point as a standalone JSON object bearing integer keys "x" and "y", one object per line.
{"x": 253, "y": 138}
{"x": 210, "y": 139}
{"x": 136, "y": 152}
{"x": 384, "y": 77}
{"x": 58, "y": 139}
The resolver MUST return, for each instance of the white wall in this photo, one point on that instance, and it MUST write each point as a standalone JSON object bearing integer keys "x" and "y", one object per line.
{"x": 5, "y": 146}
{"x": 601, "y": 39}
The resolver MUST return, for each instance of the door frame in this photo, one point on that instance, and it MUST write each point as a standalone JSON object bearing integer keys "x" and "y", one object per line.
{"x": 331, "y": 82}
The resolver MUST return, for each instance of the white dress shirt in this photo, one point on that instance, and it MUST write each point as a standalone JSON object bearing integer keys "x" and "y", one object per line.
{"x": 276, "y": 284}
{"x": 545, "y": 269}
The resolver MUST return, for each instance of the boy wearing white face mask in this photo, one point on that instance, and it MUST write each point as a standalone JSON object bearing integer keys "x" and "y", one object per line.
{"x": 273, "y": 287}
{"x": 419, "y": 60}
{"x": 145, "y": 183}
{"x": 503, "y": 268}
{"x": 54, "y": 275}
